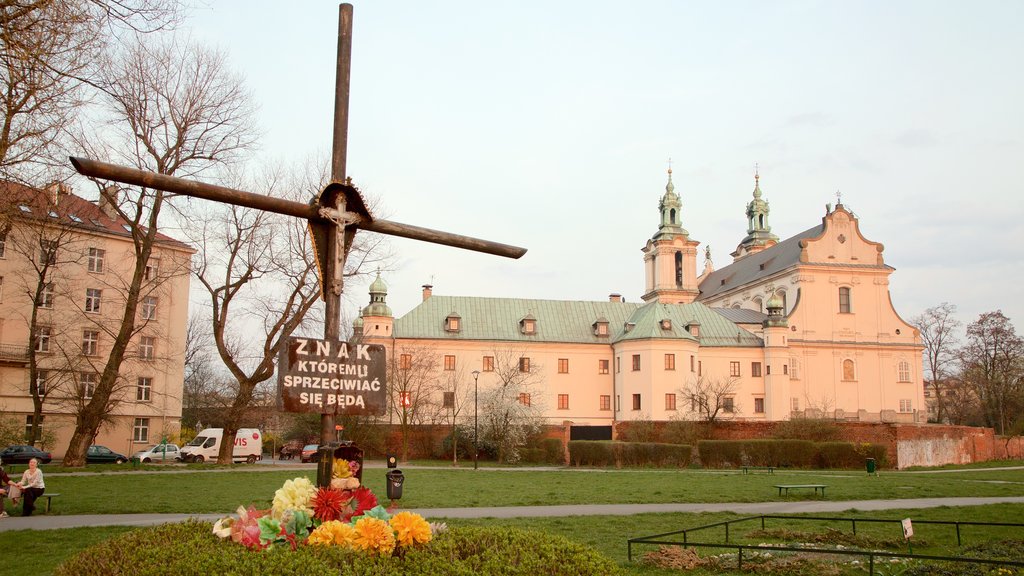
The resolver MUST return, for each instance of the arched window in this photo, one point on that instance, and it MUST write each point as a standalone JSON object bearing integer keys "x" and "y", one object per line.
{"x": 672, "y": 216}
{"x": 679, "y": 268}
{"x": 849, "y": 370}
{"x": 758, "y": 304}
{"x": 903, "y": 368}
{"x": 845, "y": 306}
{"x": 782, "y": 295}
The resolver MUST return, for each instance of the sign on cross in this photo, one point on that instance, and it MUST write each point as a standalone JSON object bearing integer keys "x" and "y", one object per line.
{"x": 334, "y": 217}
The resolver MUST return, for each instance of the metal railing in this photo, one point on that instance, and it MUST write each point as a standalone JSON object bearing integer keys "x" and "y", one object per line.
{"x": 870, "y": 554}
{"x": 14, "y": 352}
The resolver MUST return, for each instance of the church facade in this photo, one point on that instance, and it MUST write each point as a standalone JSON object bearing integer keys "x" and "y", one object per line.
{"x": 801, "y": 327}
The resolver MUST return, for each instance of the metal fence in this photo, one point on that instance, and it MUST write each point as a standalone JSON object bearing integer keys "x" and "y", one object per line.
{"x": 14, "y": 352}
{"x": 871, "y": 555}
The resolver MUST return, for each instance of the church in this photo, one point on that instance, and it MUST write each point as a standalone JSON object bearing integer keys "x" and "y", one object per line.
{"x": 796, "y": 328}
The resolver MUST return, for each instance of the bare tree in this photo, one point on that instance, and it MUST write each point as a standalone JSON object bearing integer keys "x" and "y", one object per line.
{"x": 510, "y": 411}
{"x": 938, "y": 327}
{"x": 711, "y": 398}
{"x": 50, "y": 51}
{"x": 412, "y": 387}
{"x": 197, "y": 389}
{"x": 455, "y": 393}
{"x": 993, "y": 366}
{"x": 178, "y": 111}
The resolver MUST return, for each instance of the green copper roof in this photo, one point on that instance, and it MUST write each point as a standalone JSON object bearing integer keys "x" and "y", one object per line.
{"x": 567, "y": 321}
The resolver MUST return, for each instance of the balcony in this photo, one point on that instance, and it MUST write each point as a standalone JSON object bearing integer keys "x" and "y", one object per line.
{"x": 13, "y": 354}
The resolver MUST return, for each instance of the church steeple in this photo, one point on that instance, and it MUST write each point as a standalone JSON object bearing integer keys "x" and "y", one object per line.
{"x": 759, "y": 233}
{"x": 377, "y": 317}
{"x": 670, "y": 256}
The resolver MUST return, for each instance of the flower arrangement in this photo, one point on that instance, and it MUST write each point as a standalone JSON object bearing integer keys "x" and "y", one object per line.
{"x": 344, "y": 514}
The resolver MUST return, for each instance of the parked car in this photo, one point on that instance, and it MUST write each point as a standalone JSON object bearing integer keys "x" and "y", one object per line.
{"x": 159, "y": 453}
{"x": 102, "y": 454}
{"x": 309, "y": 452}
{"x": 21, "y": 454}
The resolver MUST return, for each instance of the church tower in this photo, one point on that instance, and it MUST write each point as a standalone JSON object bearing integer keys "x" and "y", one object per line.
{"x": 377, "y": 319}
{"x": 759, "y": 233}
{"x": 670, "y": 256}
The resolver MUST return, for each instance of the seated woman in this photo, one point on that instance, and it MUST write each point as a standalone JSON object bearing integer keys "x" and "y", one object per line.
{"x": 5, "y": 481}
{"x": 32, "y": 486}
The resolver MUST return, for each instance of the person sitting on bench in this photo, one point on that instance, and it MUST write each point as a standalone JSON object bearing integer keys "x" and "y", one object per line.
{"x": 5, "y": 483}
{"x": 32, "y": 486}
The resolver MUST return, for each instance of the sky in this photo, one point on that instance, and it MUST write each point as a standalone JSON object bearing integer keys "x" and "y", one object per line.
{"x": 550, "y": 125}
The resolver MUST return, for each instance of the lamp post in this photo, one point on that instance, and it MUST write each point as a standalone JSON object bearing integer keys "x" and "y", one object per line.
{"x": 476, "y": 404}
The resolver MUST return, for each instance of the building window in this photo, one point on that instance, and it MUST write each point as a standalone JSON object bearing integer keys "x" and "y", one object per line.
{"x": 904, "y": 371}
{"x": 844, "y": 300}
{"x": 601, "y": 328}
{"x": 405, "y": 398}
{"x": 92, "y": 299}
{"x": 734, "y": 369}
{"x": 758, "y": 304}
{"x": 794, "y": 372}
{"x": 563, "y": 365}
{"x": 618, "y": 403}
{"x": 90, "y": 342}
{"x": 96, "y": 257}
{"x": 670, "y": 401}
{"x": 28, "y": 426}
{"x": 405, "y": 362}
{"x": 700, "y": 368}
{"x": 785, "y": 368}
{"x": 636, "y": 401}
{"x": 524, "y": 365}
{"x": 905, "y": 405}
{"x": 452, "y": 323}
{"x": 1, "y": 288}
{"x": 47, "y": 252}
{"x": 849, "y": 373}
{"x": 3, "y": 245}
{"x": 693, "y": 363}
{"x": 87, "y": 384}
{"x": 449, "y": 362}
{"x": 618, "y": 364}
{"x": 794, "y": 404}
{"x": 152, "y": 268}
{"x": 670, "y": 361}
{"x": 140, "y": 431}
{"x": 605, "y": 402}
{"x": 46, "y": 296}
{"x": 144, "y": 389}
{"x": 636, "y": 362}
{"x": 488, "y": 363}
{"x": 758, "y": 405}
{"x": 41, "y": 376}
{"x": 147, "y": 347}
{"x": 449, "y": 400}
{"x": 43, "y": 338}
{"x": 563, "y": 401}
{"x": 602, "y": 366}
{"x": 524, "y": 398}
{"x": 528, "y": 325}
{"x": 728, "y": 405}
{"x": 149, "y": 308}
{"x": 755, "y": 369}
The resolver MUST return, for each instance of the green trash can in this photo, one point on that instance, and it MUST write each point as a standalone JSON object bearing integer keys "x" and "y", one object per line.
{"x": 870, "y": 463}
{"x": 135, "y": 462}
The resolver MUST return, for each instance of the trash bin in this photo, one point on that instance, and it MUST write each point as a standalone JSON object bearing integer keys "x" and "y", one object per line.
{"x": 870, "y": 464}
{"x": 135, "y": 462}
{"x": 394, "y": 481}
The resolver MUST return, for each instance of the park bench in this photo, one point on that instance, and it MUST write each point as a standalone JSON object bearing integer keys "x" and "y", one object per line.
{"x": 48, "y": 498}
{"x": 788, "y": 487}
{"x": 768, "y": 469}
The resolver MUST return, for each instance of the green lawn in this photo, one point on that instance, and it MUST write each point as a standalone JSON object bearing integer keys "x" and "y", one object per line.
{"x": 213, "y": 491}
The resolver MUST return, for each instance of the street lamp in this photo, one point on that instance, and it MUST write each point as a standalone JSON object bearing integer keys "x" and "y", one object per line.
{"x": 476, "y": 404}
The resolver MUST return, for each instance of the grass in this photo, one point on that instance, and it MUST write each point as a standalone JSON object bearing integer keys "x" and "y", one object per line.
{"x": 608, "y": 534}
{"x": 216, "y": 491}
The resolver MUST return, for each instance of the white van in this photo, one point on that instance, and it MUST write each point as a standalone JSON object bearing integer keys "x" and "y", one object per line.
{"x": 206, "y": 446}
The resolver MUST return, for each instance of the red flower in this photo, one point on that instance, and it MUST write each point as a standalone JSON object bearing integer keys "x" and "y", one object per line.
{"x": 328, "y": 503}
{"x": 363, "y": 499}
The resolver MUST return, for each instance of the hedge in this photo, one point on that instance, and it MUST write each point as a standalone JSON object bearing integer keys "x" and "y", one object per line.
{"x": 190, "y": 548}
{"x": 788, "y": 453}
{"x": 609, "y": 453}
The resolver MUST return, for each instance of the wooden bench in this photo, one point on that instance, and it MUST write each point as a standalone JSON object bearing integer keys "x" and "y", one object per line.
{"x": 48, "y": 498}
{"x": 788, "y": 487}
{"x": 749, "y": 469}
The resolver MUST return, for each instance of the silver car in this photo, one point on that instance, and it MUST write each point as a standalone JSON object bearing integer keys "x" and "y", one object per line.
{"x": 159, "y": 453}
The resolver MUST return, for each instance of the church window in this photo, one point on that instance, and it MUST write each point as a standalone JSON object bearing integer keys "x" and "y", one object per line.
{"x": 449, "y": 362}
{"x": 849, "y": 370}
{"x": 904, "y": 371}
{"x": 679, "y": 268}
{"x": 636, "y": 401}
{"x": 636, "y": 362}
{"x": 782, "y": 296}
{"x": 758, "y": 304}
{"x": 844, "y": 300}
{"x": 734, "y": 369}
{"x": 672, "y": 216}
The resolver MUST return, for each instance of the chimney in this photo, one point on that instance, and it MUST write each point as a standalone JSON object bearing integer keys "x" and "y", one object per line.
{"x": 427, "y": 291}
{"x": 108, "y": 201}
{"x": 615, "y": 297}
{"x": 55, "y": 190}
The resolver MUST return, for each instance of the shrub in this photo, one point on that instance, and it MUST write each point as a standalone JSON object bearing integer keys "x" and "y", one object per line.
{"x": 190, "y": 548}
{"x": 554, "y": 452}
{"x": 720, "y": 453}
{"x": 684, "y": 432}
{"x": 591, "y": 453}
{"x": 814, "y": 429}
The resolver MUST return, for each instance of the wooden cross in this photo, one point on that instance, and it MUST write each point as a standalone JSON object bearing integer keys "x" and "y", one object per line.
{"x": 333, "y": 217}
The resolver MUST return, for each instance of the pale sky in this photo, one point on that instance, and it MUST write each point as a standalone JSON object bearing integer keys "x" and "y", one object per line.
{"x": 549, "y": 125}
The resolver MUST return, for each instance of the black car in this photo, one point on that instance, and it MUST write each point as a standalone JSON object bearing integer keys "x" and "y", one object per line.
{"x": 101, "y": 454}
{"x": 21, "y": 454}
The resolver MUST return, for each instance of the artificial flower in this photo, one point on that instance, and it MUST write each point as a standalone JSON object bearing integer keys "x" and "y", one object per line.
{"x": 222, "y": 527}
{"x": 341, "y": 469}
{"x": 294, "y": 495}
{"x": 327, "y": 504}
{"x": 373, "y": 535}
{"x": 332, "y": 532}
{"x": 350, "y": 483}
{"x": 410, "y": 529}
{"x": 363, "y": 499}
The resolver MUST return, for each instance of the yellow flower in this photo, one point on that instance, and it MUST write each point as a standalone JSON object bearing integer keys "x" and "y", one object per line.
{"x": 294, "y": 495}
{"x": 340, "y": 469}
{"x": 332, "y": 532}
{"x": 410, "y": 529}
{"x": 374, "y": 535}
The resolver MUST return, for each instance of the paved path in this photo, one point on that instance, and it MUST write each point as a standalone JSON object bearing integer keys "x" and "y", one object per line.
{"x": 52, "y": 522}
